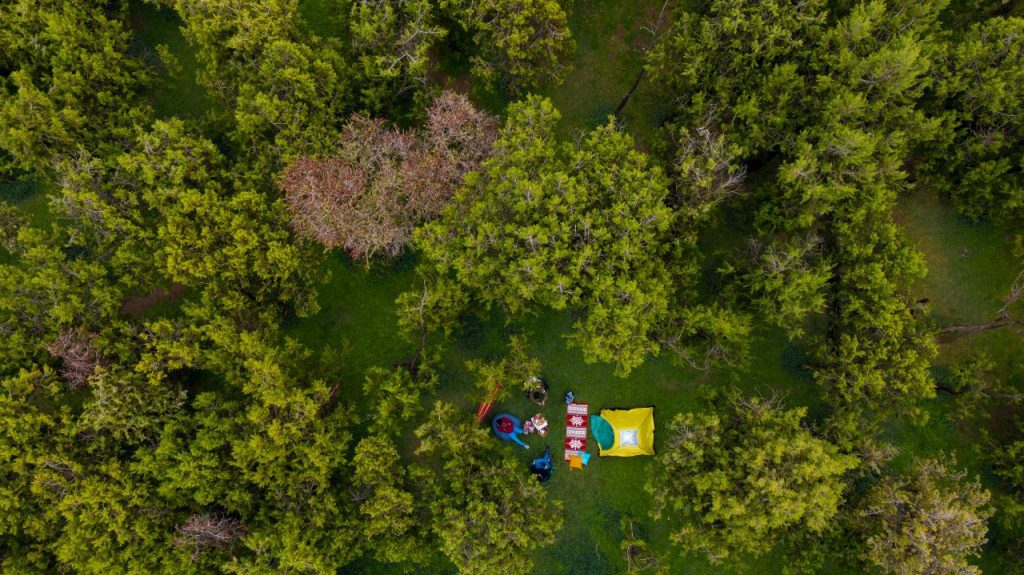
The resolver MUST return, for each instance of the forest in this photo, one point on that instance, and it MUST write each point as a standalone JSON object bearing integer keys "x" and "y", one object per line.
{"x": 275, "y": 275}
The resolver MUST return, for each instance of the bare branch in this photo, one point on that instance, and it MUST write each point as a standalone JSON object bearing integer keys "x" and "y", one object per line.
{"x": 79, "y": 358}
{"x": 368, "y": 198}
{"x": 203, "y": 531}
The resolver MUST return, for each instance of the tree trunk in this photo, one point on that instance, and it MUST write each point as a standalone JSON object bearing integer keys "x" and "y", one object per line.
{"x": 625, "y": 99}
{"x": 949, "y": 333}
{"x": 412, "y": 364}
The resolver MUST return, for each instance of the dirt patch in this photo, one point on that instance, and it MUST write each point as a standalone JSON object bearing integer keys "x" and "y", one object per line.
{"x": 137, "y": 305}
{"x": 460, "y": 84}
{"x": 1002, "y": 421}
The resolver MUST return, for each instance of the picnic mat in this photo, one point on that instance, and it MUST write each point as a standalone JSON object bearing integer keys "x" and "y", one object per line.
{"x": 575, "y": 429}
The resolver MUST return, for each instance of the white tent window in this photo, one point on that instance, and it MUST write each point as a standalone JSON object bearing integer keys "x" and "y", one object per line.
{"x": 628, "y": 438}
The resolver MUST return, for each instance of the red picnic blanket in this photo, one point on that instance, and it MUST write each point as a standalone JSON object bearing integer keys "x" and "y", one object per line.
{"x": 576, "y": 415}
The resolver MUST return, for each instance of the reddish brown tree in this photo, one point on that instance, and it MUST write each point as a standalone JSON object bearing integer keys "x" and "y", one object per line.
{"x": 382, "y": 181}
{"x": 456, "y": 129}
{"x": 79, "y": 359}
{"x": 202, "y": 531}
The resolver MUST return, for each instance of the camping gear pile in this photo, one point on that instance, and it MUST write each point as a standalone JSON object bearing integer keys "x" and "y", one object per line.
{"x": 618, "y": 433}
{"x": 536, "y": 424}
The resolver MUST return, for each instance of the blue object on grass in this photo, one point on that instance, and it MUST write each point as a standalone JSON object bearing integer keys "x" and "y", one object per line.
{"x": 602, "y": 431}
{"x": 585, "y": 457}
{"x": 541, "y": 467}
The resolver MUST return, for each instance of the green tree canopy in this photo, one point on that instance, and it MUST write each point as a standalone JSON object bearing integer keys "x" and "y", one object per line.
{"x": 552, "y": 224}
{"x": 391, "y": 42}
{"x": 752, "y": 85}
{"x": 166, "y": 210}
{"x": 397, "y": 518}
{"x": 825, "y": 240}
{"x": 928, "y": 521}
{"x": 740, "y": 478}
{"x": 521, "y": 44}
{"x": 488, "y": 514}
{"x": 499, "y": 380}
{"x": 67, "y": 82}
{"x": 981, "y": 87}
{"x": 285, "y": 92}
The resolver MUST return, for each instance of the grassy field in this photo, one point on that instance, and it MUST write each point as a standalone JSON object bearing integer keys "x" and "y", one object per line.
{"x": 611, "y": 39}
{"x": 175, "y": 93}
{"x": 970, "y": 270}
{"x": 30, "y": 199}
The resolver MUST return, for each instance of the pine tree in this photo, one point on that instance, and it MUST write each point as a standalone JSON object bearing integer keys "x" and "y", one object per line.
{"x": 521, "y": 44}
{"x": 741, "y": 478}
{"x": 927, "y": 522}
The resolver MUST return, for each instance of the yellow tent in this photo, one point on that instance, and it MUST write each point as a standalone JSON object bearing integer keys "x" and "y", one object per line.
{"x": 632, "y": 432}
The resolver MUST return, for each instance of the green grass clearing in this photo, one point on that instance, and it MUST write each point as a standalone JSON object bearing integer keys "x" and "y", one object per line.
{"x": 611, "y": 37}
{"x": 176, "y": 94}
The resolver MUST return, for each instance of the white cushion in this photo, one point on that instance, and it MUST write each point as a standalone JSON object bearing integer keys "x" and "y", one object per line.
{"x": 628, "y": 438}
